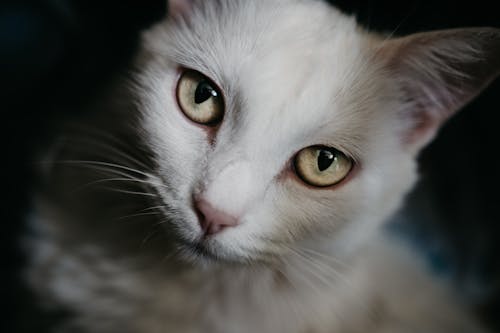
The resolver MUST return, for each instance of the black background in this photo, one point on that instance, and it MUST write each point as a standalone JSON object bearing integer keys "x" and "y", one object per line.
{"x": 57, "y": 56}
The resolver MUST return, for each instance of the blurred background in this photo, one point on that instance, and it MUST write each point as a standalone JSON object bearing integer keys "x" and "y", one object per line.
{"x": 57, "y": 56}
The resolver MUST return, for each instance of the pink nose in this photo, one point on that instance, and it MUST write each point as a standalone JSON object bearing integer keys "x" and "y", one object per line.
{"x": 211, "y": 219}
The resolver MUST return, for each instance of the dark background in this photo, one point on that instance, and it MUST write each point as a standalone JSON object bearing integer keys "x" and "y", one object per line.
{"x": 56, "y": 56}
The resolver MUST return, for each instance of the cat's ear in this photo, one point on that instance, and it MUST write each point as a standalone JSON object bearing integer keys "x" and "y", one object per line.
{"x": 438, "y": 73}
{"x": 179, "y": 7}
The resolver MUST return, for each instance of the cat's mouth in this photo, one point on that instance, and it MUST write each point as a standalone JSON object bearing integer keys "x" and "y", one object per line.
{"x": 201, "y": 250}
{"x": 210, "y": 248}
{"x": 204, "y": 249}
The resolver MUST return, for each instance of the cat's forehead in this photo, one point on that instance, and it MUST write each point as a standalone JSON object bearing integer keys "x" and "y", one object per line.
{"x": 279, "y": 62}
{"x": 235, "y": 41}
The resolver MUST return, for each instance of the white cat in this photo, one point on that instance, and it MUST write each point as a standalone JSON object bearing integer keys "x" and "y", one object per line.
{"x": 238, "y": 181}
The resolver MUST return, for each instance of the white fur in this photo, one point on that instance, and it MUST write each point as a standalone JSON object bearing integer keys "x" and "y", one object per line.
{"x": 293, "y": 74}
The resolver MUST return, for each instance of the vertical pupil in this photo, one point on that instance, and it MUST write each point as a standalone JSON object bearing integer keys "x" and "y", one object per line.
{"x": 203, "y": 92}
{"x": 325, "y": 159}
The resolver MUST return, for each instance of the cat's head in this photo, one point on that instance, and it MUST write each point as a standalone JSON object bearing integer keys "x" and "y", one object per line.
{"x": 280, "y": 123}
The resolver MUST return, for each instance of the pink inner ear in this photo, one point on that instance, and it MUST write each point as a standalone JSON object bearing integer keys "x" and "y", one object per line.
{"x": 179, "y": 7}
{"x": 423, "y": 129}
{"x": 431, "y": 104}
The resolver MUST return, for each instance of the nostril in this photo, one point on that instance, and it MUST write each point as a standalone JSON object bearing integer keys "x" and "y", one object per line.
{"x": 211, "y": 219}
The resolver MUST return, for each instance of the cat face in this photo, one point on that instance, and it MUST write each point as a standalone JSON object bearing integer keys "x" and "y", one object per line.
{"x": 276, "y": 124}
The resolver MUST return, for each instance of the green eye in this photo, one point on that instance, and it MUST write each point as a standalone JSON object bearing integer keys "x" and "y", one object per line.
{"x": 199, "y": 98}
{"x": 322, "y": 166}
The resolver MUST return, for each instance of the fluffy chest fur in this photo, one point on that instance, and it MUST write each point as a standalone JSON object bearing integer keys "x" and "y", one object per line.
{"x": 384, "y": 288}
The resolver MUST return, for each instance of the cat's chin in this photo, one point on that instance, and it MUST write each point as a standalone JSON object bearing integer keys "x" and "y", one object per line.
{"x": 209, "y": 251}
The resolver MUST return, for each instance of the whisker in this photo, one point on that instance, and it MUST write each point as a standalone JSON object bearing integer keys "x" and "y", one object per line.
{"x": 117, "y": 169}
{"x": 148, "y": 237}
{"x": 326, "y": 257}
{"x": 106, "y": 164}
{"x": 174, "y": 253}
{"x": 136, "y": 215}
{"x": 316, "y": 262}
{"x": 130, "y": 192}
{"x": 153, "y": 208}
{"x": 93, "y": 141}
{"x": 107, "y": 180}
{"x": 310, "y": 268}
{"x": 109, "y": 148}
{"x": 328, "y": 268}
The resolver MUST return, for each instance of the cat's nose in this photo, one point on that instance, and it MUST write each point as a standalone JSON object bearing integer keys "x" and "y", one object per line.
{"x": 211, "y": 219}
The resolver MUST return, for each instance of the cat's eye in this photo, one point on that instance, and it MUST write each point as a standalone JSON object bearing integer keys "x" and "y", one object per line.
{"x": 322, "y": 166}
{"x": 199, "y": 98}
